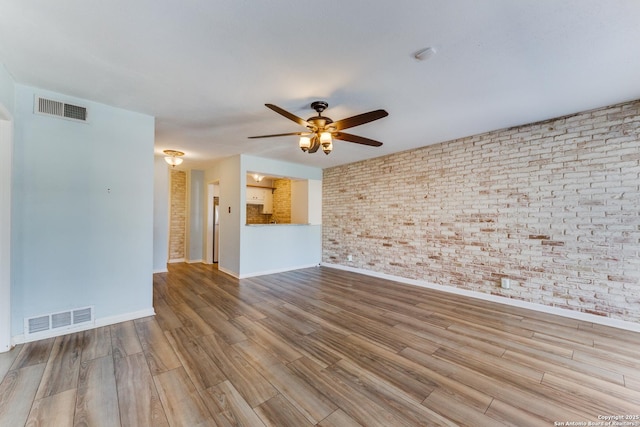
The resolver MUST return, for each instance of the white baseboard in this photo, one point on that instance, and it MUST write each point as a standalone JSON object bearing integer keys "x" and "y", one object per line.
{"x": 229, "y": 272}
{"x": 279, "y": 270}
{"x": 125, "y": 317}
{"x": 98, "y": 323}
{"x": 194, "y": 261}
{"x": 264, "y": 273}
{"x": 162, "y": 270}
{"x": 172, "y": 261}
{"x": 577, "y": 315}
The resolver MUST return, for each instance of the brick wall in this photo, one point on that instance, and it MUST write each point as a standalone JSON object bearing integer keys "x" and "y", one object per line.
{"x": 255, "y": 215}
{"x": 282, "y": 201}
{"x": 178, "y": 215}
{"x": 554, "y": 206}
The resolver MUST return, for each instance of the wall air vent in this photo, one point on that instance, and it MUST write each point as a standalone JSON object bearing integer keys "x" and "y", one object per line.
{"x": 50, "y": 107}
{"x": 70, "y": 319}
{"x": 38, "y": 324}
{"x": 82, "y": 315}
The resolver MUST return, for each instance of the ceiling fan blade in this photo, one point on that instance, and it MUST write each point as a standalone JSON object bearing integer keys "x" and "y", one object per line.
{"x": 357, "y": 139}
{"x": 287, "y": 114}
{"x": 358, "y": 120}
{"x": 279, "y": 134}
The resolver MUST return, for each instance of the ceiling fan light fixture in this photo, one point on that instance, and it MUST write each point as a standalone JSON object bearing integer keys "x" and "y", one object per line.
{"x": 257, "y": 178}
{"x": 325, "y": 138}
{"x": 305, "y": 143}
{"x": 173, "y": 157}
{"x": 326, "y": 142}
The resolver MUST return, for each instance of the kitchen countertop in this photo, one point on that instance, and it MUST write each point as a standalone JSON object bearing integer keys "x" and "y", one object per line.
{"x": 270, "y": 225}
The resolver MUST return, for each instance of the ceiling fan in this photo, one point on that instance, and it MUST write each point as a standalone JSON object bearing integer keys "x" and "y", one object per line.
{"x": 322, "y": 130}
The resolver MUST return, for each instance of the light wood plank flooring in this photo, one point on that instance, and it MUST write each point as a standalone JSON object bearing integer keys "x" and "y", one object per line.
{"x": 321, "y": 347}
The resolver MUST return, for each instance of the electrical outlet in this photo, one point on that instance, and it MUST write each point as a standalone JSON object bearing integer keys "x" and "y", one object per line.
{"x": 505, "y": 283}
{"x": 349, "y": 257}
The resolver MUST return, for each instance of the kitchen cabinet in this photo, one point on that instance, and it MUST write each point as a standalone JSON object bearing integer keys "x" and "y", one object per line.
{"x": 267, "y": 206}
{"x": 261, "y": 196}
{"x": 255, "y": 195}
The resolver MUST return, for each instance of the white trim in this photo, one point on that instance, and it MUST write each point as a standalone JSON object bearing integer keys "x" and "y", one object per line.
{"x": 194, "y": 261}
{"x": 577, "y": 315}
{"x": 125, "y": 317}
{"x": 6, "y": 165}
{"x": 173, "y": 261}
{"x": 168, "y": 224}
{"x": 163, "y": 270}
{"x": 98, "y": 323}
{"x": 229, "y": 272}
{"x": 279, "y": 270}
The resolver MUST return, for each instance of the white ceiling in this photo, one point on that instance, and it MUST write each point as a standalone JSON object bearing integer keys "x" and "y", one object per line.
{"x": 206, "y": 68}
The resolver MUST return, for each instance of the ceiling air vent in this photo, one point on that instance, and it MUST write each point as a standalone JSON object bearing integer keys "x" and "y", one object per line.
{"x": 60, "y": 109}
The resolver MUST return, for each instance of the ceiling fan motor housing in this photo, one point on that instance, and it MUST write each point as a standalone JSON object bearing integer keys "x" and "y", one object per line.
{"x": 319, "y": 123}
{"x": 319, "y": 106}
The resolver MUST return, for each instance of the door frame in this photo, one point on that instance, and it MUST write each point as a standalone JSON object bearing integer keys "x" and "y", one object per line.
{"x": 6, "y": 165}
{"x": 213, "y": 190}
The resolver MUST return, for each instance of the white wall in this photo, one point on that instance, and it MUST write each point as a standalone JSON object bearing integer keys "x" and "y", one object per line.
{"x": 299, "y": 202}
{"x": 83, "y": 211}
{"x": 315, "y": 201}
{"x": 306, "y": 202}
{"x": 160, "y": 214}
{"x": 6, "y": 155}
{"x": 196, "y": 228}
{"x": 278, "y": 168}
{"x": 7, "y": 89}
{"x": 245, "y": 250}
{"x": 273, "y": 248}
{"x": 226, "y": 173}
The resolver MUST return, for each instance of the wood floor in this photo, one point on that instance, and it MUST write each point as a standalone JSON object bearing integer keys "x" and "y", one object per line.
{"x": 322, "y": 347}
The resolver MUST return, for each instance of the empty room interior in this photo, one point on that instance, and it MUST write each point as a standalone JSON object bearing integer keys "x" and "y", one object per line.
{"x": 327, "y": 214}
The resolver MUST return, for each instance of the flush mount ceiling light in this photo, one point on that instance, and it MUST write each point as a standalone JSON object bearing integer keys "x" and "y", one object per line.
{"x": 173, "y": 157}
{"x": 322, "y": 130}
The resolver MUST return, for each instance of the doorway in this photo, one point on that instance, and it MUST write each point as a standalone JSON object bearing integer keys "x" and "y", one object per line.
{"x": 213, "y": 223}
{"x": 6, "y": 155}
{"x": 216, "y": 229}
